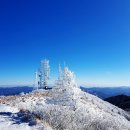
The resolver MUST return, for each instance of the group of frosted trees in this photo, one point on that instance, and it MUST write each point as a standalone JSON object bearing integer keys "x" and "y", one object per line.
{"x": 66, "y": 78}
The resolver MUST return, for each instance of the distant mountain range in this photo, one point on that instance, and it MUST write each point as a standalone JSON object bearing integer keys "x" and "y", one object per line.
{"x": 100, "y": 92}
{"x": 106, "y": 92}
{"x": 7, "y": 91}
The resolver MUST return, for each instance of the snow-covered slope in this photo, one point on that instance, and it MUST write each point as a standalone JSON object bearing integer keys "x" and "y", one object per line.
{"x": 9, "y": 120}
{"x": 72, "y": 109}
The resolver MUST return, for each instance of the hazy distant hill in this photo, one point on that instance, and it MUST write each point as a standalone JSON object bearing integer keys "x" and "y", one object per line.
{"x": 6, "y": 91}
{"x": 105, "y": 92}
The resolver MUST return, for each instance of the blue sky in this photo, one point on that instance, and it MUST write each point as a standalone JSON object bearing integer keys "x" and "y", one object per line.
{"x": 91, "y": 36}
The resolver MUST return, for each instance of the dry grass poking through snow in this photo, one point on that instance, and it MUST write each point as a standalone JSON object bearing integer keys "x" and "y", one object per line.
{"x": 22, "y": 98}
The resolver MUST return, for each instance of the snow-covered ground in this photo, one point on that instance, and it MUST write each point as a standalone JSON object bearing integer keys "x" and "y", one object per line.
{"x": 68, "y": 109}
{"x": 62, "y": 108}
{"x": 9, "y": 120}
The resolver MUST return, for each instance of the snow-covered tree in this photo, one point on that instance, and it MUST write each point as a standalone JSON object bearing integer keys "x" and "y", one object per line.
{"x": 68, "y": 78}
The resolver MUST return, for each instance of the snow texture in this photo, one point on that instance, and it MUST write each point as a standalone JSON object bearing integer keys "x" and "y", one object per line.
{"x": 10, "y": 120}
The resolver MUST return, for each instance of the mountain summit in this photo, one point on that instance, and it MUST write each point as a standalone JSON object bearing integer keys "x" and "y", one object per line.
{"x": 69, "y": 108}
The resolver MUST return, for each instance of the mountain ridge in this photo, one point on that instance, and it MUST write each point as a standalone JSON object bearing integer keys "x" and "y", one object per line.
{"x": 64, "y": 108}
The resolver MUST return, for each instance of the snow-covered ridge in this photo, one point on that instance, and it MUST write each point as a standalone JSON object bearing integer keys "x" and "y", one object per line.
{"x": 69, "y": 108}
{"x": 72, "y": 109}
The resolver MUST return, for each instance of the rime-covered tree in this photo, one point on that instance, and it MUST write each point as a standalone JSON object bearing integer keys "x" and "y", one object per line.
{"x": 68, "y": 78}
